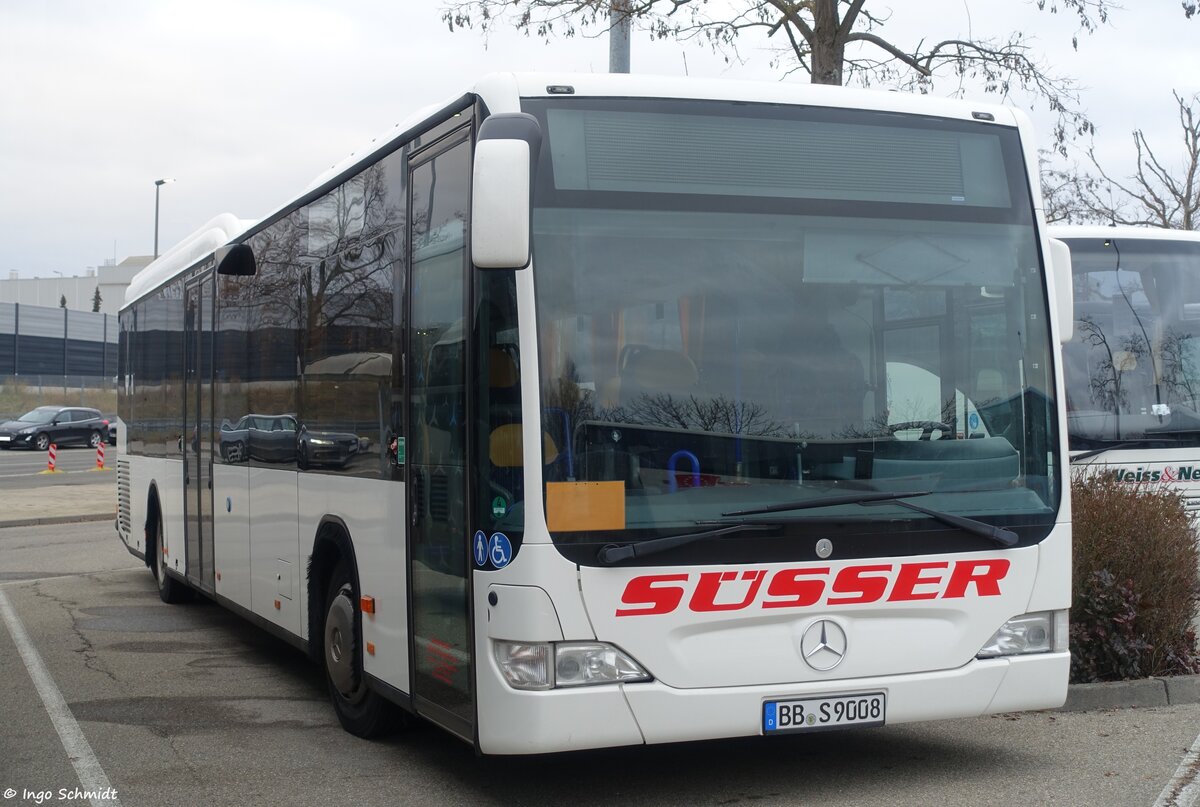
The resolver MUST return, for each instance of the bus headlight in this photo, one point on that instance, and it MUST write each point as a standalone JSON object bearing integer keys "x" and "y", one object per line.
{"x": 583, "y": 663}
{"x": 1041, "y": 632}
{"x": 548, "y": 665}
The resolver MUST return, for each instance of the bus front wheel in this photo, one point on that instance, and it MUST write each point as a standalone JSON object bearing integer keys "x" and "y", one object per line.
{"x": 360, "y": 710}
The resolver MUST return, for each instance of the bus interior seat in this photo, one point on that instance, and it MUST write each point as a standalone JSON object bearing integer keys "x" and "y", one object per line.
{"x": 508, "y": 461}
{"x": 502, "y": 368}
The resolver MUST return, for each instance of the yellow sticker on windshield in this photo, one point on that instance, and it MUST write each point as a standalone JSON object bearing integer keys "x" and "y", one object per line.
{"x": 579, "y": 506}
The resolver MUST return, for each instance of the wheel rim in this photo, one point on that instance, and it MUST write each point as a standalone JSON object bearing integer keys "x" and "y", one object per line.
{"x": 43, "y": 442}
{"x": 340, "y": 645}
{"x": 95, "y": 439}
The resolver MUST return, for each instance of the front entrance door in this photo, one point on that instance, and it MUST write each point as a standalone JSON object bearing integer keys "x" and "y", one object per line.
{"x": 196, "y": 442}
{"x": 437, "y": 436}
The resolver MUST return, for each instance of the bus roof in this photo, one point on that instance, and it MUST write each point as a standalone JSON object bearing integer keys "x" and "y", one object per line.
{"x": 502, "y": 92}
{"x": 538, "y": 85}
{"x": 1104, "y": 231}
{"x": 216, "y": 232}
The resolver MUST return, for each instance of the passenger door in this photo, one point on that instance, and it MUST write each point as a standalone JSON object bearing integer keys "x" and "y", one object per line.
{"x": 197, "y": 431}
{"x": 439, "y": 568}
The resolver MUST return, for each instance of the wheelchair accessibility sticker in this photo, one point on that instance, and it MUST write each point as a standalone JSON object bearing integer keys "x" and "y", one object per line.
{"x": 496, "y": 550}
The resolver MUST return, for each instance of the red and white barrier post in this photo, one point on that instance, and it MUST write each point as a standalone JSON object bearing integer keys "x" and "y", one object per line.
{"x": 100, "y": 457}
{"x": 52, "y": 459}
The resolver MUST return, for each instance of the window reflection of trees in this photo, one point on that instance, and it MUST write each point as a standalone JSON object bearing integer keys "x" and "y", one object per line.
{"x": 1180, "y": 373}
{"x": 1104, "y": 382}
{"x": 346, "y": 293}
{"x": 316, "y": 324}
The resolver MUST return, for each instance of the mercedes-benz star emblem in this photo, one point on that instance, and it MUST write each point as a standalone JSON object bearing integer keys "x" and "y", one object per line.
{"x": 823, "y": 645}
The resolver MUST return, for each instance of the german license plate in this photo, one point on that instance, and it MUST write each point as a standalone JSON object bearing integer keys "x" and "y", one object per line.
{"x": 815, "y": 714}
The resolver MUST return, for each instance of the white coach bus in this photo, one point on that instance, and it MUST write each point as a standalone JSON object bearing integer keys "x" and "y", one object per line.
{"x": 1132, "y": 370}
{"x": 598, "y": 410}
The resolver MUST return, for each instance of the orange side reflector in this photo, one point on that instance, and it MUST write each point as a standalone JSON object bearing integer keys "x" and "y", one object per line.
{"x": 370, "y": 648}
{"x": 278, "y": 605}
{"x": 367, "y": 604}
{"x": 577, "y": 506}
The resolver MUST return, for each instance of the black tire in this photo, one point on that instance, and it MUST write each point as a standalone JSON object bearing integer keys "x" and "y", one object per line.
{"x": 361, "y": 711}
{"x": 170, "y": 591}
{"x": 95, "y": 439}
{"x": 42, "y": 441}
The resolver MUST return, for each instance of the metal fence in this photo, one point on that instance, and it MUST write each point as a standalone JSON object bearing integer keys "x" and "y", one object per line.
{"x": 40, "y": 341}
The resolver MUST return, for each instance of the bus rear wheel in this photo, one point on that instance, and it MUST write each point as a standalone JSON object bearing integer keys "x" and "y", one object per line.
{"x": 361, "y": 711}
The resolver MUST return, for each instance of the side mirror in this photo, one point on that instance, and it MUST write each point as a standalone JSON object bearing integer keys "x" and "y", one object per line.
{"x": 1064, "y": 295}
{"x": 502, "y": 191}
{"x": 236, "y": 259}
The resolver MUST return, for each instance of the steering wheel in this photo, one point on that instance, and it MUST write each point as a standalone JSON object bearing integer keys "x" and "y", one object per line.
{"x": 927, "y": 427}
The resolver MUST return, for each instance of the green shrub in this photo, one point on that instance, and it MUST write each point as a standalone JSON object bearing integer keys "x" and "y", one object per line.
{"x": 1136, "y": 581}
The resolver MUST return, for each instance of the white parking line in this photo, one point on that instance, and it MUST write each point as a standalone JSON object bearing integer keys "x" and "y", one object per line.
{"x": 1184, "y": 788}
{"x": 91, "y": 776}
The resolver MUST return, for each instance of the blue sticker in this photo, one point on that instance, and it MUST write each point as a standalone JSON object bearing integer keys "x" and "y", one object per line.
{"x": 770, "y": 722}
{"x": 480, "y": 548}
{"x": 499, "y": 550}
{"x": 973, "y": 421}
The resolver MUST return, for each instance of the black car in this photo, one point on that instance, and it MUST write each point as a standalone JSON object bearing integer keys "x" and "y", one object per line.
{"x": 61, "y": 425}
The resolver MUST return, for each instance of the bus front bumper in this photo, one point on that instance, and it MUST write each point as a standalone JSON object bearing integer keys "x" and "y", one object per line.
{"x": 517, "y": 722}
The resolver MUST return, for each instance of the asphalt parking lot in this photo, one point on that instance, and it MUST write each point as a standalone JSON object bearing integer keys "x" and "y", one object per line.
{"x": 189, "y": 704}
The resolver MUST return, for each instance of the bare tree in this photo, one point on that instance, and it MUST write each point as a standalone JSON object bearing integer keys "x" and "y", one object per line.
{"x": 1159, "y": 193}
{"x": 719, "y": 414}
{"x": 834, "y": 41}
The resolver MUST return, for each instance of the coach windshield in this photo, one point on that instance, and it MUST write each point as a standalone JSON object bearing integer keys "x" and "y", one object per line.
{"x": 742, "y": 306}
{"x": 1133, "y": 367}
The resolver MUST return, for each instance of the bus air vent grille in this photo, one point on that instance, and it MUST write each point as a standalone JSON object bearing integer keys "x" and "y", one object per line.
{"x": 123, "y": 517}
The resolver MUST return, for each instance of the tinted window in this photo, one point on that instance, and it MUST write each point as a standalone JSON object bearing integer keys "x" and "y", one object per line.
{"x": 354, "y": 248}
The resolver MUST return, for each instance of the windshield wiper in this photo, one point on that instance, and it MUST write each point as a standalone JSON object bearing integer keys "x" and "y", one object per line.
{"x": 861, "y": 497}
{"x": 1000, "y": 535}
{"x": 1095, "y": 452}
{"x": 612, "y": 553}
{"x": 1154, "y": 441}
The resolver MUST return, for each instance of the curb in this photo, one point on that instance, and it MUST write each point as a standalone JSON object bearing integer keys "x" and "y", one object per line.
{"x": 38, "y": 522}
{"x": 1140, "y": 694}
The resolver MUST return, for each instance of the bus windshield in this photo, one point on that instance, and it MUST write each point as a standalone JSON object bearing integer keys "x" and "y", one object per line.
{"x": 1133, "y": 367}
{"x": 746, "y": 305}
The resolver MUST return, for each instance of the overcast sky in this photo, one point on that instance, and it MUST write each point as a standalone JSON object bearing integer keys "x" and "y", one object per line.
{"x": 243, "y": 102}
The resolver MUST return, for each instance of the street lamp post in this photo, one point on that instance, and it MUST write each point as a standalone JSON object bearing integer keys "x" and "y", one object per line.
{"x": 158, "y": 183}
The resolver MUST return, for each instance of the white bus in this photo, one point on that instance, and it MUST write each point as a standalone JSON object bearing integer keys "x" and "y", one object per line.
{"x": 592, "y": 410}
{"x": 1132, "y": 370}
